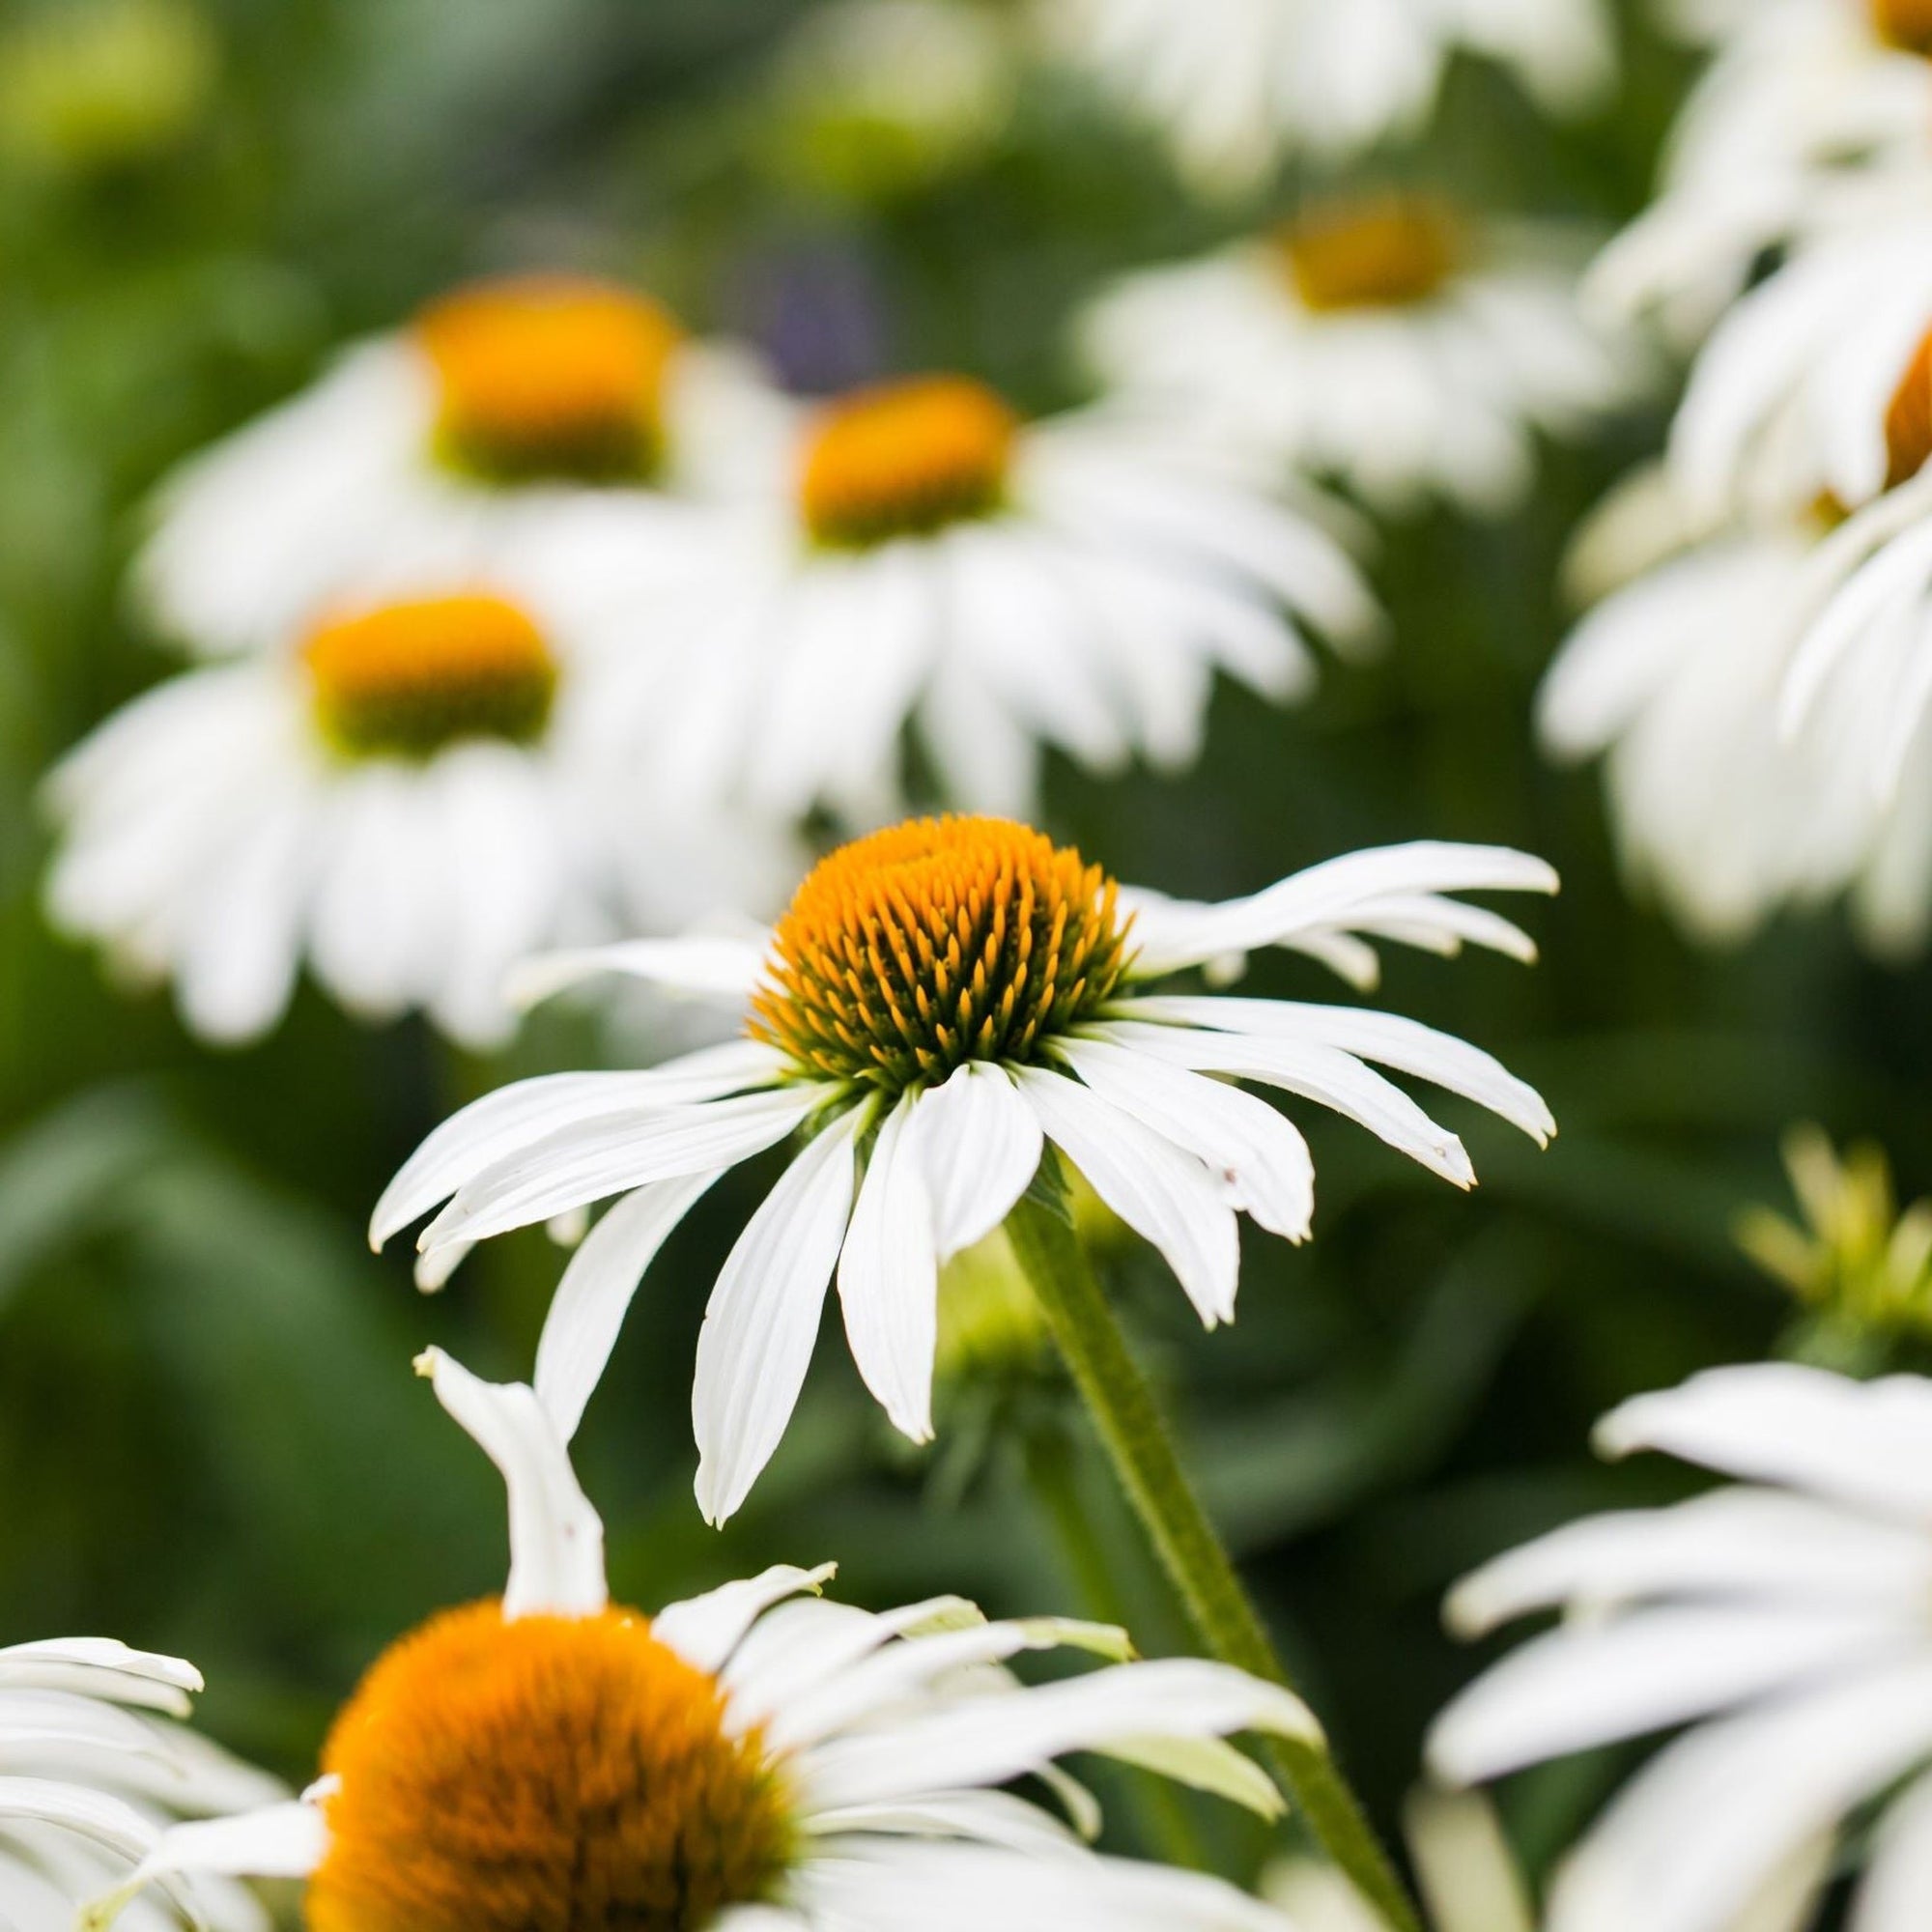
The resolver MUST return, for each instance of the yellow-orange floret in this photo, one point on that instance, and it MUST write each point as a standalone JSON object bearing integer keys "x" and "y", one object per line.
{"x": 550, "y": 1775}
{"x": 405, "y": 680}
{"x": 912, "y": 950}
{"x": 1378, "y": 251}
{"x": 905, "y": 459}
{"x": 1905, "y": 23}
{"x": 549, "y": 377}
{"x": 1908, "y": 418}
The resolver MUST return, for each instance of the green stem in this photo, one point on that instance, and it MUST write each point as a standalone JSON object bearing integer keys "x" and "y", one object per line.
{"x": 1137, "y": 1440}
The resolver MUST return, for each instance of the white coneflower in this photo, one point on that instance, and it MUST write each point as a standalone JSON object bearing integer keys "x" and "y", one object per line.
{"x": 1383, "y": 339}
{"x": 392, "y": 797}
{"x": 755, "y": 1760}
{"x": 919, "y": 554}
{"x": 97, "y": 1768}
{"x": 1781, "y": 1621}
{"x": 1237, "y": 85}
{"x": 942, "y": 999}
{"x": 500, "y": 395}
{"x": 1813, "y": 113}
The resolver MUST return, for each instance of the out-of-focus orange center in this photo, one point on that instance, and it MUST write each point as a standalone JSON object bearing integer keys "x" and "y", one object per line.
{"x": 1383, "y": 251}
{"x": 905, "y": 459}
{"x": 550, "y": 1775}
{"x": 932, "y": 943}
{"x": 1908, "y": 418}
{"x": 545, "y": 378}
{"x": 405, "y": 680}
{"x": 1905, "y": 23}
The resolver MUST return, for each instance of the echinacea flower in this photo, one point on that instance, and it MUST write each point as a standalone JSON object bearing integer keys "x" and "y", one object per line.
{"x": 917, "y": 554}
{"x": 97, "y": 1767}
{"x": 754, "y": 1760}
{"x": 502, "y": 394}
{"x": 1382, "y": 339}
{"x": 1813, "y": 113}
{"x": 391, "y": 797}
{"x": 941, "y": 998}
{"x": 1779, "y": 1621}
{"x": 1237, "y": 85}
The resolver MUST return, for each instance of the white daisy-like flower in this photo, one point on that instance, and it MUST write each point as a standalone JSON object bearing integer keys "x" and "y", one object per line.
{"x": 1382, "y": 339}
{"x": 97, "y": 1768}
{"x": 1781, "y": 1621}
{"x": 754, "y": 1760}
{"x": 1237, "y": 85}
{"x": 1813, "y": 113}
{"x": 941, "y": 999}
{"x": 497, "y": 396}
{"x": 395, "y": 799}
{"x": 1676, "y": 681}
{"x": 915, "y": 554}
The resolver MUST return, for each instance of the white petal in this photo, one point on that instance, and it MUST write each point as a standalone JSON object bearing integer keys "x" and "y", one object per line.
{"x": 557, "y": 1540}
{"x": 762, "y": 1319}
{"x": 1866, "y": 1443}
{"x": 1588, "y": 1683}
{"x": 706, "y": 964}
{"x": 1262, "y": 1157}
{"x": 525, "y": 1112}
{"x": 990, "y": 1739}
{"x": 613, "y": 1154}
{"x": 1899, "y": 1881}
{"x": 978, "y": 1145}
{"x": 1165, "y": 1194}
{"x": 704, "y": 1631}
{"x": 889, "y": 1277}
{"x": 1751, "y": 1790}
{"x": 595, "y": 1292}
{"x": 285, "y": 1840}
{"x": 1738, "y": 1543}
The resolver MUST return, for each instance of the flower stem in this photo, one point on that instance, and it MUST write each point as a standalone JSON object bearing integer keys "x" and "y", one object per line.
{"x": 1137, "y": 1440}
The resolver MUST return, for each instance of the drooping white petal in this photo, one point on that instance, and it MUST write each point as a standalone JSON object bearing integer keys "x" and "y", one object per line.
{"x": 1389, "y": 1040}
{"x": 557, "y": 1539}
{"x": 709, "y": 965}
{"x": 1164, "y": 1194}
{"x": 704, "y": 1631}
{"x": 988, "y": 1817}
{"x": 1589, "y": 1683}
{"x": 989, "y": 1740}
{"x": 524, "y": 1113}
{"x": 977, "y": 1144}
{"x": 1866, "y": 1443}
{"x": 286, "y": 1840}
{"x": 1261, "y": 1156}
{"x": 591, "y": 1301}
{"x": 889, "y": 1277}
{"x": 101, "y": 1666}
{"x": 762, "y": 1319}
{"x": 613, "y": 1154}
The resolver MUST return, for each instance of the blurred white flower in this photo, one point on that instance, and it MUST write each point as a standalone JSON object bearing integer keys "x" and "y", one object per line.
{"x": 1676, "y": 680}
{"x": 536, "y": 389}
{"x": 1781, "y": 1620}
{"x": 918, "y": 555}
{"x": 1236, "y": 85}
{"x": 1813, "y": 113}
{"x": 1385, "y": 340}
{"x": 942, "y": 997}
{"x": 96, "y": 1769}
{"x": 753, "y": 1760}
{"x": 395, "y": 796}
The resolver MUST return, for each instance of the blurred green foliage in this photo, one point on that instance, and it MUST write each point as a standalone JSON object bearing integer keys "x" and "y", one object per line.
{"x": 210, "y": 1438}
